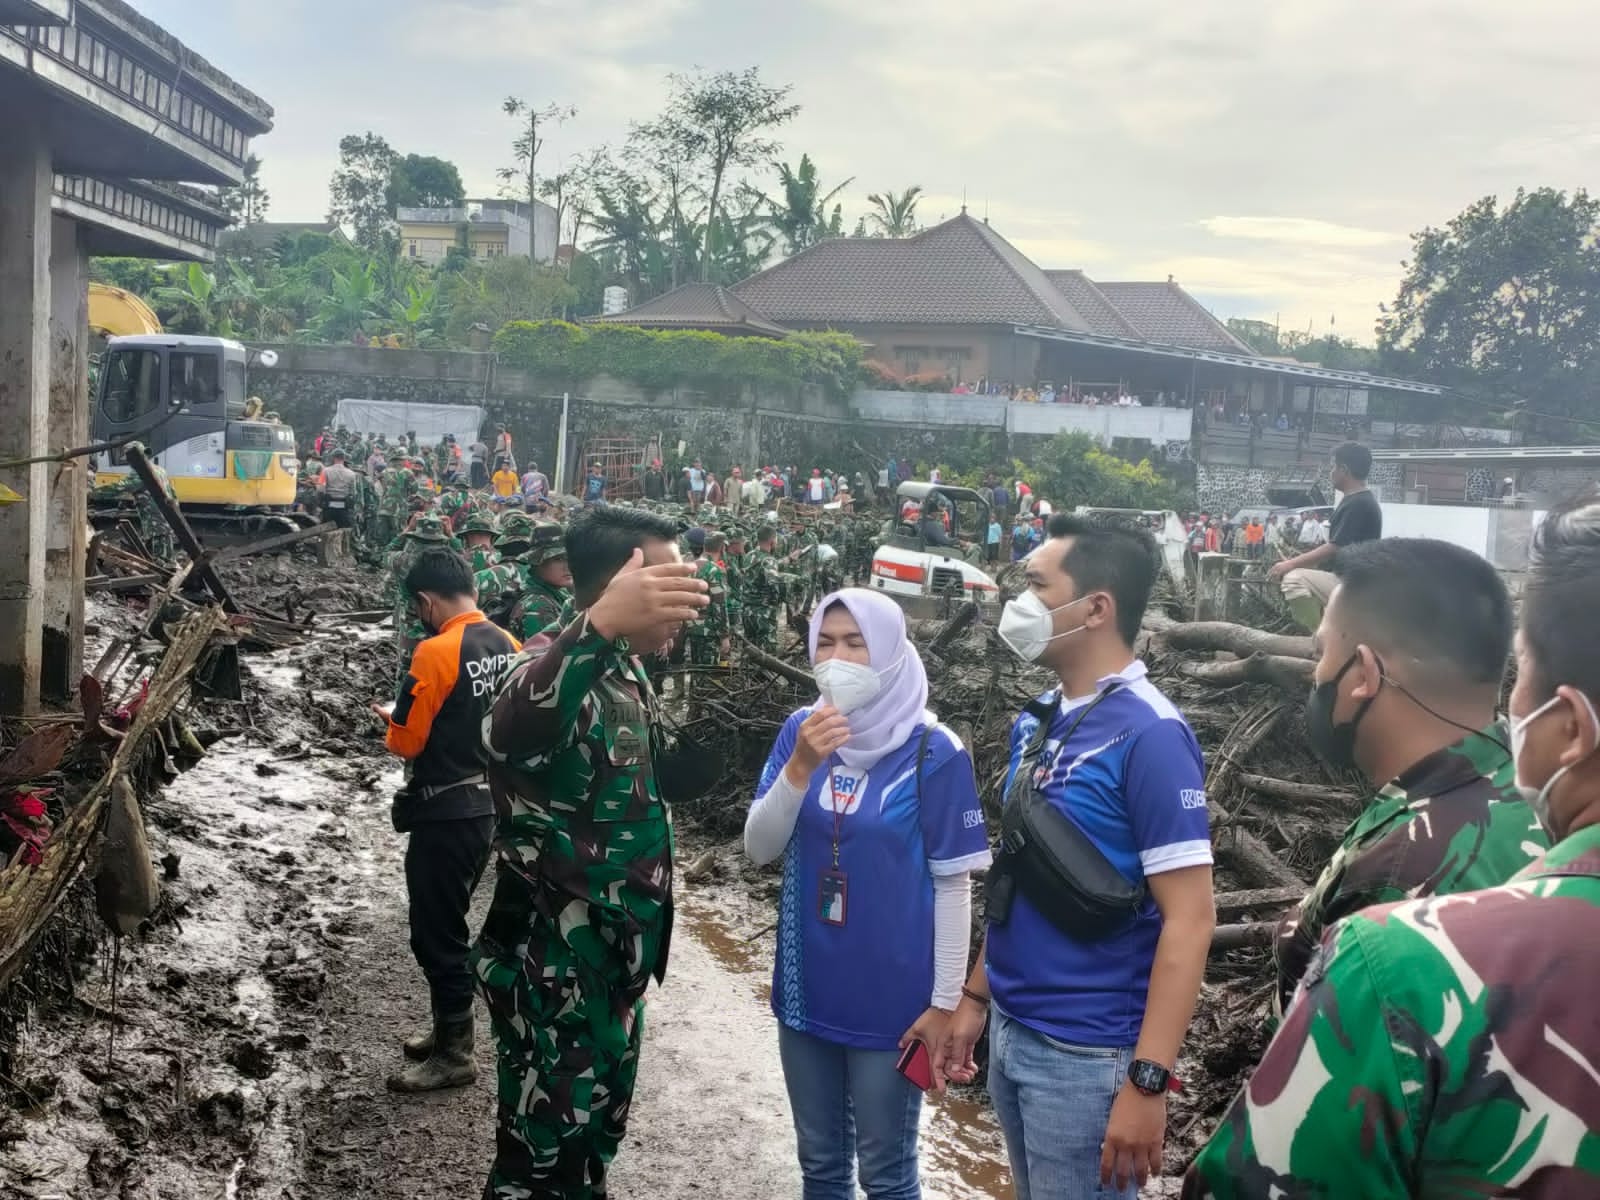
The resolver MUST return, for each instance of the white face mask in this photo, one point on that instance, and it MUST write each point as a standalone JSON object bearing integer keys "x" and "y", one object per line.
{"x": 1538, "y": 798}
{"x": 1025, "y": 625}
{"x": 849, "y": 686}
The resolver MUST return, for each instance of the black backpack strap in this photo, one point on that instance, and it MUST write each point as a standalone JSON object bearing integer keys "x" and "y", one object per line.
{"x": 922, "y": 754}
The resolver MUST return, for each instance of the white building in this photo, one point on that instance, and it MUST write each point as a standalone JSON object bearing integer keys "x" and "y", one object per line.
{"x": 485, "y": 228}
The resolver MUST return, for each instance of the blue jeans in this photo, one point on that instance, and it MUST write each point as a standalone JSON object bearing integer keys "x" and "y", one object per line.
{"x": 851, "y": 1104}
{"x": 1054, "y": 1101}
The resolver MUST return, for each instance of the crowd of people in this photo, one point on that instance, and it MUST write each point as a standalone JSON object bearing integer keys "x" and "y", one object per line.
{"x": 1431, "y": 1036}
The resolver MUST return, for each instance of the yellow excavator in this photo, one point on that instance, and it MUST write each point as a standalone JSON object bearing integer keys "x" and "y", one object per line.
{"x": 184, "y": 397}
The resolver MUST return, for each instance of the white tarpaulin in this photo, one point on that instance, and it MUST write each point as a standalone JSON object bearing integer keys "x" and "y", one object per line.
{"x": 395, "y": 418}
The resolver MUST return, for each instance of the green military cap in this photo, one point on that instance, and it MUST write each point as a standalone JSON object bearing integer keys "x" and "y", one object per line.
{"x": 547, "y": 542}
{"x": 429, "y": 528}
{"x": 516, "y": 529}
{"x": 479, "y": 522}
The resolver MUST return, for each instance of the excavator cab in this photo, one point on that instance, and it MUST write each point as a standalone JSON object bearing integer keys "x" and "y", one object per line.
{"x": 184, "y": 398}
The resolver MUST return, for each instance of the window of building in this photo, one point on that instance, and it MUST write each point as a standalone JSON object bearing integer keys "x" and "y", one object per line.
{"x": 413, "y": 247}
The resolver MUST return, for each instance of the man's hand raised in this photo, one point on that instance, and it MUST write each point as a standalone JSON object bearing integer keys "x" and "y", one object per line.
{"x": 641, "y": 600}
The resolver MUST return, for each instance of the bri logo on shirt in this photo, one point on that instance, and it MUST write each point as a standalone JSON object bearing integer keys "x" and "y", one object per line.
{"x": 1192, "y": 798}
{"x": 843, "y": 790}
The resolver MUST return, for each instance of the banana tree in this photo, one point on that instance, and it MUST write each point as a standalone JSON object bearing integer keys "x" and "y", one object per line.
{"x": 197, "y": 303}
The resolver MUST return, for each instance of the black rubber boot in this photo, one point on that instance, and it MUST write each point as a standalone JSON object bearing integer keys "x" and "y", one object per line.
{"x": 419, "y": 1046}
{"x": 450, "y": 1065}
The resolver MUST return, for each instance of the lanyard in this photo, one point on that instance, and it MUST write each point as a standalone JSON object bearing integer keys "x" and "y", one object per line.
{"x": 838, "y": 812}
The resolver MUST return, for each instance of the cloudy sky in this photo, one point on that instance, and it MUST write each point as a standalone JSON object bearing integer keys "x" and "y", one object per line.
{"x": 1272, "y": 156}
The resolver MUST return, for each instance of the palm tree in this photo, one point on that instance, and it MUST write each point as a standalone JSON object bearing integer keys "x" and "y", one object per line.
{"x": 895, "y": 215}
{"x": 800, "y": 216}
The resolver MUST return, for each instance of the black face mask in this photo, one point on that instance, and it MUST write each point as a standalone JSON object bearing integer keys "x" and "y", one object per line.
{"x": 1335, "y": 744}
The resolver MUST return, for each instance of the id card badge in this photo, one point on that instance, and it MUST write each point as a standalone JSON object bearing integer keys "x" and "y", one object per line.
{"x": 833, "y": 897}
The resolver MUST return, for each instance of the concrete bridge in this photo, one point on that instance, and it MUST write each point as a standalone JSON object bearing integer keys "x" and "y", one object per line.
{"x": 109, "y": 121}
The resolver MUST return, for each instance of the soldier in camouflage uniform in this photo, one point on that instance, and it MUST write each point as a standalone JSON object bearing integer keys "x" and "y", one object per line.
{"x": 1428, "y": 626}
{"x": 549, "y": 582}
{"x": 399, "y": 485}
{"x": 502, "y": 584}
{"x": 477, "y": 533}
{"x": 582, "y": 910}
{"x": 764, "y": 586}
{"x": 427, "y": 530}
{"x": 708, "y": 637}
{"x": 1447, "y": 1046}
{"x": 153, "y": 527}
{"x": 732, "y": 565}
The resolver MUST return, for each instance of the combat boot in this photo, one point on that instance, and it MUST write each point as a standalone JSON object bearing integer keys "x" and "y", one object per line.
{"x": 419, "y": 1046}
{"x": 449, "y": 1065}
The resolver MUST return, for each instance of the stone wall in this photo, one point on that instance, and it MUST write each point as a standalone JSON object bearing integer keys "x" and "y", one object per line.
{"x": 798, "y": 425}
{"x": 1227, "y": 489}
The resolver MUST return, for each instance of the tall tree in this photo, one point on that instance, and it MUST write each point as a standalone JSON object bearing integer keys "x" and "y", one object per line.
{"x": 247, "y": 203}
{"x": 423, "y": 181}
{"x": 572, "y": 192}
{"x": 894, "y": 214}
{"x": 1505, "y": 299}
{"x": 359, "y": 191}
{"x": 800, "y": 214}
{"x": 667, "y": 150}
{"x": 725, "y": 116}
{"x": 522, "y": 175}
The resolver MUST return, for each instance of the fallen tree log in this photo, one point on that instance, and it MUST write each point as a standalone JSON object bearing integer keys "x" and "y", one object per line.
{"x": 277, "y": 542}
{"x": 1230, "y": 905}
{"x": 774, "y": 666}
{"x": 1242, "y": 937}
{"x": 958, "y": 624}
{"x": 1290, "y": 674}
{"x": 1299, "y": 793}
{"x": 1234, "y": 639}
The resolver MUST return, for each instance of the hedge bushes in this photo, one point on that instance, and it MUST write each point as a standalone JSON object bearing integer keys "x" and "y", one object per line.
{"x": 684, "y": 358}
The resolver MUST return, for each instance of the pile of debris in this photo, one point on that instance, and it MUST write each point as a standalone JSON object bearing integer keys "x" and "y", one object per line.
{"x": 1276, "y": 811}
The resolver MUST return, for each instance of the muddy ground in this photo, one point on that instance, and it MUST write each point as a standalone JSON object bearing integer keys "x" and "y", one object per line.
{"x": 255, "y": 1020}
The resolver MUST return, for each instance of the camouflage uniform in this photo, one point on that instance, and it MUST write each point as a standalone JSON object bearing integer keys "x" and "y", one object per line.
{"x": 763, "y": 597}
{"x": 733, "y": 570}
{"x": 477, "y": 522}
{"x": 541, "y": 604}
{"x": 582, "y": 909}
{"x": 408, "y": 631}
{"x": 707, "y": 633}
{"x": 153, "y": 527}
{"x": 1441, "y": 1047}
{"x": 399, "y": 485}
{"x": 1451, "y": 823}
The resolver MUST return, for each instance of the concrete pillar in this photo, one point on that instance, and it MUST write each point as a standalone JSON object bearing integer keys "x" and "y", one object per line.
{"x": 66, "y": 537}
{"x": 1211, "y": 587}
{"x": 25, "y": 179}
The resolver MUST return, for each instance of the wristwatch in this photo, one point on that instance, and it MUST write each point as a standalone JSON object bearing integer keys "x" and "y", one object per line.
{"x": 1152, "y": 1078}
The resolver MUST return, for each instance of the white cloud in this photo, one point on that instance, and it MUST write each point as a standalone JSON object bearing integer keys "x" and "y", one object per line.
{"x": 1304, "y": 231}
{"x": 477, "y": 31}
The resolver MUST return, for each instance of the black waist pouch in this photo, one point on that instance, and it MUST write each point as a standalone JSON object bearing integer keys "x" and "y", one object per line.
{"x": 415, "y": 804}
{"x": 1054, "y": 863}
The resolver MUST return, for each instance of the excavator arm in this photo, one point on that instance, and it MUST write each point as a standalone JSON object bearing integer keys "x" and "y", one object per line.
{"x": 114, "y": 312}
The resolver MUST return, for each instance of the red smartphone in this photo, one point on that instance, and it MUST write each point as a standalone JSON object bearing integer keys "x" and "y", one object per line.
{"x": 915, "y": 1065}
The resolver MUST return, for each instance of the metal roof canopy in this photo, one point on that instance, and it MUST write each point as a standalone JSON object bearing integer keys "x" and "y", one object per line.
{"x": 1245, "y": 361}
{"x": 1483, "y": 454}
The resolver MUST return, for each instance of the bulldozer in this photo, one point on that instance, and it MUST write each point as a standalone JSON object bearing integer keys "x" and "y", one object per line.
{"x": 184, "y": 398}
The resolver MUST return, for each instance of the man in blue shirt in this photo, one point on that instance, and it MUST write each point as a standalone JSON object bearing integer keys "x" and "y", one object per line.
{"x": 1087, "y": 1028}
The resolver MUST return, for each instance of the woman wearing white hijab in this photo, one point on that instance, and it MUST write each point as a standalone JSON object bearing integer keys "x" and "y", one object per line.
{"x": 871, "y": 804}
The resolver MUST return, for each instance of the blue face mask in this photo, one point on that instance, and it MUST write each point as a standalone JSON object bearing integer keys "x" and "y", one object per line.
{"x": 1538, "y": 798}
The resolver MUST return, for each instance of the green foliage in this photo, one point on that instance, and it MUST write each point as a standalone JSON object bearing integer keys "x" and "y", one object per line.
{"x": 1505, "y": 301}
{"x": 246, "y": 204}
{"x": 1074, "y": 470}
{"x": 675, "y": 358}
{"x": 503, "y": 290}
{"x": 196, "y": 303}
{"x": 358, "y": 192}
{"x": 1333, "y": 352}
{"x": 800, "y": 213}
{"x": 894, "y": 214}
{"x": 423, "y": 181}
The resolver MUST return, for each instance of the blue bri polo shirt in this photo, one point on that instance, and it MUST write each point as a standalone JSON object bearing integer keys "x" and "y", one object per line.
{"x": 1132, "y": 779}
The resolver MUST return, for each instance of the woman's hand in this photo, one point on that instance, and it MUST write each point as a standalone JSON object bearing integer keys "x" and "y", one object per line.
{"x": 820, "y": 734}
{"x": 929, "y": 1030}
